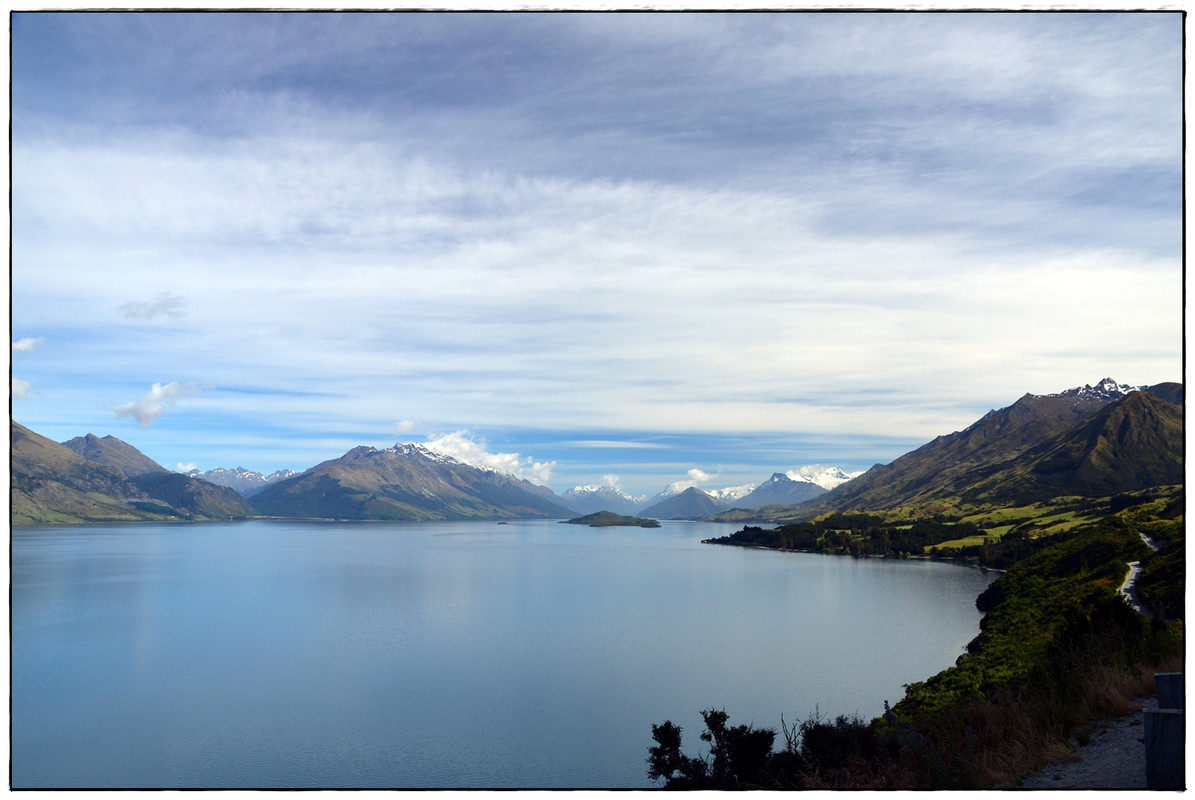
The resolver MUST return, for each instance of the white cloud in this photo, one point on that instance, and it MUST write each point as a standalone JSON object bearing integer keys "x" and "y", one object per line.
{"x": 181, "y": 467}
{"x": 884, "y": 256}
{"x": 148, "y": 408}
{"x": 25, "y": 345}
{"x": 20, "y": 388}
{"x": 695, "y": 478}
{"x": 463, "y": 447}
{"x": 165, "y": 304}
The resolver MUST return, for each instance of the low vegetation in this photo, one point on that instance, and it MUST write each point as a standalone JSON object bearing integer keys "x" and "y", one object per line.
{"x": 1058, "y": 648}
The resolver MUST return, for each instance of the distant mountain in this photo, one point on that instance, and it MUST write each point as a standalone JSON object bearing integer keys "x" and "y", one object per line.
{"x": 730, "y": 495}
{"x": 51, "y": 482}
{"x": 782, "y": 490}
{"x": 406, "y": 482}
{"x": 1040, "y": 446}
{"x": 591, "y": 499}
{"x": 692, "y": 503}
{"x": 113, "y": 452}
{"x": 826, "y": 477}
{"x": 245, "y": 481}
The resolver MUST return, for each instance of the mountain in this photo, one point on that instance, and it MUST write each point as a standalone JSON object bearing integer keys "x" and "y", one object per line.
{"x": 115, "y": 453}
{"x": 51, "y": 482}
{"x": 782, "y": 490}
{"x": 692, "y": 503}
{"x": 591, "y": 499}
{"x": 1130, "y": 444}
{"x": 245, "y": 481}
{"x": 1092, "y": 439}
{"x": 731, "y": 494}
{"x": 1170, "y": 392}
{"x": 406, "y": 482}
{"x": 826, "y": 477}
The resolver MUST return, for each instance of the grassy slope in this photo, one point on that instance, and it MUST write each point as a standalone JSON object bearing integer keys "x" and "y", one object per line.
{"x": 1055, "y": 636}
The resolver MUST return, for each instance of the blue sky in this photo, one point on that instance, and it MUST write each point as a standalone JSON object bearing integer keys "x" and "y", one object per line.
{"x": 586, "y": 245}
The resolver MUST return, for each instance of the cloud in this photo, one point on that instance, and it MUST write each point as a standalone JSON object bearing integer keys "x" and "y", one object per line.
{"x": 148, "y": 408}
{"x": 822, "y": 235}
{"x": 181, "y": 467}
{"x": 20, "y": 388}
{"x": 612, "y": 482}
{"x": 696, "y": 476}
{"x": 165, "y": 304}
{"x": 461, "y": 446}
{"x": 25, "y": 345}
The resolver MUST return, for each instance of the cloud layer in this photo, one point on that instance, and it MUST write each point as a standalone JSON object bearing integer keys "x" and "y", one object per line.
{"x": 591, "y": 228}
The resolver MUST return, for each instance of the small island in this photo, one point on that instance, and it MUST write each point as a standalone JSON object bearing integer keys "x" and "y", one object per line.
{"x": 608, "y": 519}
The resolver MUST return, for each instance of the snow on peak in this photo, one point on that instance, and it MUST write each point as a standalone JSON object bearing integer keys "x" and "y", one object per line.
{"x": 825, "y": 477}
{"x": 1106, "y": 389}
{"x": 731, "y": 493}
{"x": 601, "y": 491}
{"x": 412, "y": 449}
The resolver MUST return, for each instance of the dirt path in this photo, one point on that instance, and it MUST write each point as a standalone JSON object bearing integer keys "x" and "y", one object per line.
{"x": 1113, "y": 759}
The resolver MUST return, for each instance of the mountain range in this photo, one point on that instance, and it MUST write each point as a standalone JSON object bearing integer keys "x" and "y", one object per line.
{"x": 1090, "y": 441}
{"x": 90, "y": 479}
{"x": 591, "y": 499}
{"x": 245, "y": 481}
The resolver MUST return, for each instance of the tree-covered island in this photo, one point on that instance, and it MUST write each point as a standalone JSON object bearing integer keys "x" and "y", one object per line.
{"x": 608, "y": 519}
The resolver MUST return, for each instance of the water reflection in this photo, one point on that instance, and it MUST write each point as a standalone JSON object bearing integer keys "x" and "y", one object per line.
{"x": 438, "y": 655}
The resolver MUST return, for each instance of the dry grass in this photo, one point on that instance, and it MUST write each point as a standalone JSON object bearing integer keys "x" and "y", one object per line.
{"x": 995, "y": 742}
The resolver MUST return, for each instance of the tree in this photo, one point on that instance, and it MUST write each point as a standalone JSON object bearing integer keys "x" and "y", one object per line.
{"x": 737, "y": 754}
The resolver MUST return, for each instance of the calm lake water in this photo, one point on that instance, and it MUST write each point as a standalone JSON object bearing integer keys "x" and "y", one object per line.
{"x": 460, "y": 655}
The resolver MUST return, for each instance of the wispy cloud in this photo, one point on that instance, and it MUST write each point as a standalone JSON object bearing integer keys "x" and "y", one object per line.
{"x": 463, "y": 447}
{"x": 848, "y": 225}
{"x": 26, "y": 345}
{"x": 20, "y": 388}
{"x": 164, "y": 305}
{"x": 150, "y": 406}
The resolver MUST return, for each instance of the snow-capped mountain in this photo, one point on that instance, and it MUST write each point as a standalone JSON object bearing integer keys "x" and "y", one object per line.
{"x": 780, "y": 490}
{"x": 731, "y": 493}
{"x": 246, "y": 482}
{"x": 591, "y": 499}
{"x": 406, "y": 482}
{"x": 1107, "y": 389}
{"x": 825, "y": 477}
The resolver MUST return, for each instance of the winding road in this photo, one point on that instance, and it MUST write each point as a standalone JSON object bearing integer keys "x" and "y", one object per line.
{"x": 1128, "y": 589}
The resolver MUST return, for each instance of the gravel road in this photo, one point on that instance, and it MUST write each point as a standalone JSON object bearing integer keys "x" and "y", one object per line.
{"x": 1113, "y": 759}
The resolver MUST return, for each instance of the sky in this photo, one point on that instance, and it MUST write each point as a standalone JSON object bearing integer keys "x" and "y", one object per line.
{"x": 604, "y": 248}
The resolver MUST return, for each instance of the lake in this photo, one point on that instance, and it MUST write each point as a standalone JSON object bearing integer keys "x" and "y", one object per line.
{"x": 439, "y": 655}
